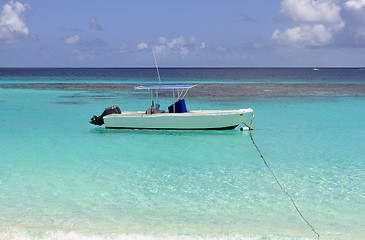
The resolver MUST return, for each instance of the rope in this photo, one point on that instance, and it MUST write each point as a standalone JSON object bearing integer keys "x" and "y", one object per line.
{"x": 277, "y": 181}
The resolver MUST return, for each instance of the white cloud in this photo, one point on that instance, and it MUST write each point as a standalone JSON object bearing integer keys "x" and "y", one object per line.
{"x": 81, "y": 56}
{"x": 162, "y": 39}
{"x": 176, "y": 42}
{"x": 304, "y": 35}
{"x": 123, "y": 48}
{"x": 89, "y": 49}
{"x": 13, "y": 22}
{"x": 142, "y": 46}
{"x": 354, "y": 11}
{"x": 355, "y": 4}
{"x": 176, "y": 48}
{"x": 94, "y": 25}
{"x": 324, "y": 11}
{"x": 178, "y": 45}
{"x": 72, "y": 40}
{"x": 159, "y": 49}
{"x": 318, "y": 22}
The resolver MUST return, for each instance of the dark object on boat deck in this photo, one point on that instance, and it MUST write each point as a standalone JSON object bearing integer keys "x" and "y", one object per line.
{"x": 180, "y": 107}
{"x": 110, "y": 110}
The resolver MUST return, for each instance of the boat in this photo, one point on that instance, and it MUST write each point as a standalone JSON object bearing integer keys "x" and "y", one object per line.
{"x": 175, "y": 117}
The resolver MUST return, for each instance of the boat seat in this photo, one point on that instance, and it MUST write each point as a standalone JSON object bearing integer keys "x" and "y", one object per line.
{"x": 180, "y": 107}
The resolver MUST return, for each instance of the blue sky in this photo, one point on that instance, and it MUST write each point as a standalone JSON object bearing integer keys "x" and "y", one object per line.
{"x": 190, "y": 33}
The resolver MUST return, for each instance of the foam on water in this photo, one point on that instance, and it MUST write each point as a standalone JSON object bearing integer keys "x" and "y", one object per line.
{"x": 62, "y": 235}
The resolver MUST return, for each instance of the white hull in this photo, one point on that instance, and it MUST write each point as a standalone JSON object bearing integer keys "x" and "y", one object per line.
{"x": 192, "y": 120}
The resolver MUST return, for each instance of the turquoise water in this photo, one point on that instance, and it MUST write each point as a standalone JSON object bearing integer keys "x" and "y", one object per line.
{"x": 62, "y": 178}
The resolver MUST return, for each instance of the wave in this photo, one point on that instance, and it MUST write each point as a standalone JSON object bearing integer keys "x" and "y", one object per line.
{"x": 14, "y": 234}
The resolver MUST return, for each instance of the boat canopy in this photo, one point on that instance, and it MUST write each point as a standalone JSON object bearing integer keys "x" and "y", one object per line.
{"x": 169, "y": 87}
{"x": 177, "y": 98}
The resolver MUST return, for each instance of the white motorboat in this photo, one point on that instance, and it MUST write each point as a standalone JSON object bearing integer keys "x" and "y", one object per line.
{"x": 177, "y": 117}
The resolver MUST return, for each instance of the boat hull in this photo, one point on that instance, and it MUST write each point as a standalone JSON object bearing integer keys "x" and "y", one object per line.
{"x": 192, "y": 120}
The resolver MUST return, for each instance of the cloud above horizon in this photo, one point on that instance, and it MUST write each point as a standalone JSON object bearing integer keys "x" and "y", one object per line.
{"x": 322, "y": 23}
{"x": 177, "y": 47}
{"x": 13, "y": 22}
{"x": 356, "y": 4}
{"x": 72, "y": 40}
{"x": 94, "y": 25}
{"x": 286, "y": 33}
{"x": 316, "y": 22}
{"x": 142, "y": 45}
{"x": 87, "y": 49}
{"x": 355, "y": 12}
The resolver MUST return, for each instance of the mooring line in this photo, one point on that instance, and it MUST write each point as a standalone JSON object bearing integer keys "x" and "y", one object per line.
{"x": 277, "y": 181}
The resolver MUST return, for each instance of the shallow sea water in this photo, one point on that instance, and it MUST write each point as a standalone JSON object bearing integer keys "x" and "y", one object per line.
{"x": 62, "y": 178}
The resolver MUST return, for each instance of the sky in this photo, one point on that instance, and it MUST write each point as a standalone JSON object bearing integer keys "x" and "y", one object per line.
{"x": 189, "y": 33}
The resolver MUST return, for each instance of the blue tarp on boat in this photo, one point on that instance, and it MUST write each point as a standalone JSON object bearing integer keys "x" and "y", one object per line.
{"x": 180, "y": 107}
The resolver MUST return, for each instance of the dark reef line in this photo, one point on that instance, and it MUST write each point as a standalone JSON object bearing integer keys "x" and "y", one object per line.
{"x": 218, "y": 90}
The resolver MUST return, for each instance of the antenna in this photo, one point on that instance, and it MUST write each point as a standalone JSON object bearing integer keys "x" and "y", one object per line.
{"x": 158, "y": 73}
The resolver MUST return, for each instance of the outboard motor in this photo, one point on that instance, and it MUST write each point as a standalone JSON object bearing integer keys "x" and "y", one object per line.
{"x": 110, "y": 110}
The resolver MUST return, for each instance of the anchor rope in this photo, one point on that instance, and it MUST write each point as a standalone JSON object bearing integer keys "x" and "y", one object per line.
{"x": 282, "y": 188}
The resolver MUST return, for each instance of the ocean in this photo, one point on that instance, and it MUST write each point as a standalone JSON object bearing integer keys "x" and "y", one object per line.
{"x": 63, "y": 178}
